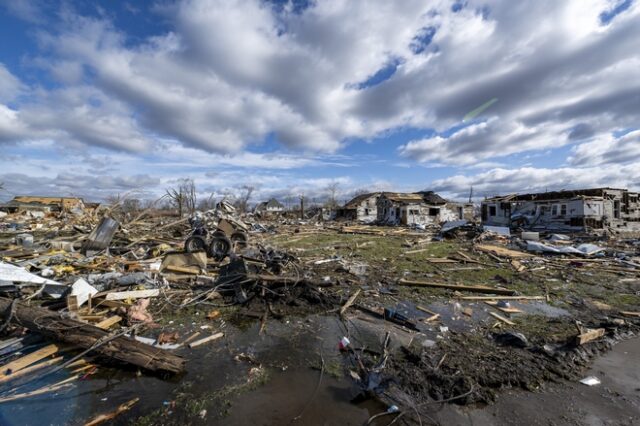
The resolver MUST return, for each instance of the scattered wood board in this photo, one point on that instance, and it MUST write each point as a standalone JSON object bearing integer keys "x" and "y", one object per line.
{"x": 494, "y": 304}
{"x": 109, "y": 416}
{"x": 501, "y": 251}
{"x": 502, "y": 298}
{"x": 478, "y": 289}
{"x": 589, "y": 336}
{"x": 134, "y": 294}
{"x": 108, "y": 322}
{"x": 501, "y": 318}
{"x": 205, "y": 340}
{"x": 630, "y": 314}
{"x": 27, "y": 360}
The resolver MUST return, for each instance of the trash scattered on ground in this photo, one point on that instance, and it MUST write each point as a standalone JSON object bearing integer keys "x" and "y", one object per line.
{"x": 590, "y": 381}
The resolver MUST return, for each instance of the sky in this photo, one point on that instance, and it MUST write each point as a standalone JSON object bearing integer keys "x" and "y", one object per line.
{"x": 99, "y": 98}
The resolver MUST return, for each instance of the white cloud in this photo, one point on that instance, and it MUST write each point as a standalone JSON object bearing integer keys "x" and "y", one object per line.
{"x": 607, "y": 150}
{"x": 503, "y": 181}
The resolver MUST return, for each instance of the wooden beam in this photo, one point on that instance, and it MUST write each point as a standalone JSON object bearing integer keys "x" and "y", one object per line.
{"x": 501, "y": 318}
{"x": 349, "y": 302}
{"x": 108, "y": 322}
{"x": 27, "y": 360}
{"x": 134, "y": 294}
{"x": 477, "y": 289}
{"x": 205, "y": 340}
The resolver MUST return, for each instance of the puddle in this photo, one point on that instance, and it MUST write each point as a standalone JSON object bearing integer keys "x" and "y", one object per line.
{"x": 288, "y": 352}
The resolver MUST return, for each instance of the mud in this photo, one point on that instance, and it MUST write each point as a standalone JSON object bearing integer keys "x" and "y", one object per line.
{"x": 475, "y": 364}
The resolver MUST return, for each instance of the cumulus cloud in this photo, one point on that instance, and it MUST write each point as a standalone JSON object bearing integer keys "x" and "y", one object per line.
{"x": 223, "y": 77}
{"x": 607, "y": 150}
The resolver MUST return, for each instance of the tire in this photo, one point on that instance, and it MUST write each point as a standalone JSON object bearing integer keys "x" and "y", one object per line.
{"x": 220, "y": 247}
{"x": 239, "y": 239}
{"x": 195, "y": 243}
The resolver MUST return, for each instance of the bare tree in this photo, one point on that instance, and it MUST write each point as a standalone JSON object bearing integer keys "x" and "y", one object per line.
{"x": 360, "y": 191}
{"x": 183, "y": 197}
{"x": 207, "y": 203}
{"x": 242, "y": 202}
{"x": 332, "y": 192}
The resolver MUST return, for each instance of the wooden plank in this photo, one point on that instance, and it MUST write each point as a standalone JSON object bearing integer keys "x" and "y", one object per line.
{"x": 501, "y": 318}
{"x": 589, "y": 336}
{"x": 423, "y": 309}
{"x": 134, "y": 294}
{"x": 478, "y": 289}
{"x": 630, "y": 314}
{"x": 108, "y": 322}
{"x": 183, "y": 269}
{"x": 502, "y": 298}
{"x": 112, "y": 304}
{"x": 30, "y": 369}
{"x": 349, "y": 302}
{"x": 109, "y": 416}
{"x": 205, "y": 340}
{"x": 494, "y": 304}
{"x": 46, "y": 389}
{"x": 501, "y": 251}
{"x": 27, "y": 360}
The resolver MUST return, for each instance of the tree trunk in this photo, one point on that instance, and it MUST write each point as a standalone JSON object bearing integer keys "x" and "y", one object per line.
{"x": 84, "y": 335}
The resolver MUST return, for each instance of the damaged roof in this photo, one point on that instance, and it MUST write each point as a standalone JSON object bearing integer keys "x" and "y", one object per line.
{"x": 427, "y": 197}
{"x": 553, "y": 195}
{"x": 353, "y": 203}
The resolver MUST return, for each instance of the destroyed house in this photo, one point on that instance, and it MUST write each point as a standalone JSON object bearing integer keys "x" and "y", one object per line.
{"x": 363, "y": 207}
{"x": 271, "y": 206}
{"x": 26, "y": 203}
{"x": 567, "y": 210}
{"x": 420, "y": 208}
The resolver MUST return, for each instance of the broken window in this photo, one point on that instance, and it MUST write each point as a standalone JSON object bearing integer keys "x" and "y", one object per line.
{"x": 434, "y": 212}
{"x": 554, "y": 210}
{"x": 366, "y": 212}
{"x": 414, "y": 212}
{"x": 492, "y": 210}
{"x": 563, "y": 209}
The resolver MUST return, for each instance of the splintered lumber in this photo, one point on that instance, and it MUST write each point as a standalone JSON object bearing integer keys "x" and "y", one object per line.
{"x": 501, "y": 318}
{"x": 109, "y": 416}
{"x": 502, "y": 298}
{"x": 630, "y": 314}
{"x": 29, "y": 359}
{"x": 352, "y": 299}
{"x": 589, "y": 336}
{"x": 501, "y": 251}
{"x": 30, "y": 369}
{"x": 46, "y": 389}
{"x": 494, "y": 304}
{"x": 205, "y": 340}
{"x": 183, "y": 269}
{"x": 423, "y": 309}
{"x": 477, "y": 289}
{"x": 85, "y": 336}
{"x": 134, "y": 294}
{"x": 108, "y": 322}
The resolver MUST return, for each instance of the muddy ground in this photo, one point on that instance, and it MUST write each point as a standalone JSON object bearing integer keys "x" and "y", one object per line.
{"x": 290, "y": 370}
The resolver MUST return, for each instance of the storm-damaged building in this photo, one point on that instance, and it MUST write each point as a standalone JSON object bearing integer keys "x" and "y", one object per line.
{"x": 271, "y": 206}
{"x": 567, "y": 210}
{"x": 362, "y": 207}
{"x": 30, "y": 203}
{"x": 420, "y": 208}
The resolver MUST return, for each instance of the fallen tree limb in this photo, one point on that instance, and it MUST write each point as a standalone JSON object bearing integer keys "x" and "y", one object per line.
{"x": 476, "y": 289}
{"x": 85, "y": 336}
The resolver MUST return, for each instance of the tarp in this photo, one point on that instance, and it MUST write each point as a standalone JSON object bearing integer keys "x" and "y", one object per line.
{"x": 582, "y": 249}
